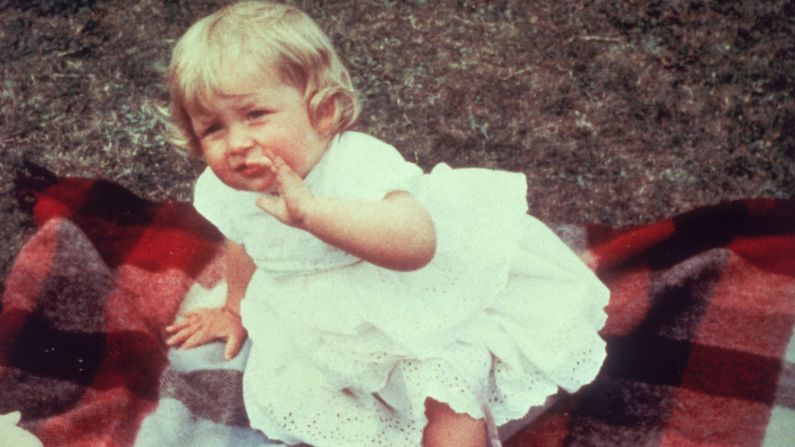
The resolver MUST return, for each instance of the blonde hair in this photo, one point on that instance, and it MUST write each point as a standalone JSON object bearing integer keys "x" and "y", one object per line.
{"x": 272, "y": 35}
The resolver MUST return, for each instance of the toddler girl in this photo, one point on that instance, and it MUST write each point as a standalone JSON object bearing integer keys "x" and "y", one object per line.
{"x": 385, "y": 306}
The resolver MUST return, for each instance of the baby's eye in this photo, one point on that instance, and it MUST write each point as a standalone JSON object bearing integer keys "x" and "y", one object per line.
{"x": 211, "y": 129}
{"x": 257, "y": 113}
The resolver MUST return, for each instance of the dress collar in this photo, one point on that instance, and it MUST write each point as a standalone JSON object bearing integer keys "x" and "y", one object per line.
{"x": 312, "y": 179}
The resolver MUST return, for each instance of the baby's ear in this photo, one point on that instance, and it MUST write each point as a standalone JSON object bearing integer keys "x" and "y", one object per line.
{"x": 326, "y": 115}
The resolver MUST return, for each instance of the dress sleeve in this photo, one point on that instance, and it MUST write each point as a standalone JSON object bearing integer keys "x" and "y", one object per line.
{"x": 366, "y": 168}
{"x": 392, "y": 172}
{"x": 211, "y": 198}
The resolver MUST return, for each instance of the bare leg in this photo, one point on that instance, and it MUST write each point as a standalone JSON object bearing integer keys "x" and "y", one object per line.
{"x": 447, "y": 428}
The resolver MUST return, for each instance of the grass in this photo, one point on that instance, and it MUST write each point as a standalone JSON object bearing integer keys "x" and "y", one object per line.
{"x": 617, "y": 112}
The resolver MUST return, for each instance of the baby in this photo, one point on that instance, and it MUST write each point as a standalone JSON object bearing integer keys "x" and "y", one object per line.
{"x": 385, "y": 306}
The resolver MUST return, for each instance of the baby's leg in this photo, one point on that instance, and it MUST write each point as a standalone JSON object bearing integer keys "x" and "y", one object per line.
{"x": 446, "y": 428}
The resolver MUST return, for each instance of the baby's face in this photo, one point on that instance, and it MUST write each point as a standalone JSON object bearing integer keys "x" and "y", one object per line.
{"x": 249, "y": 117}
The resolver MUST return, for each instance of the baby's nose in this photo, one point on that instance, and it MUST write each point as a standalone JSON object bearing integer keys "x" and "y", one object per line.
{"x": 238, "y": 139}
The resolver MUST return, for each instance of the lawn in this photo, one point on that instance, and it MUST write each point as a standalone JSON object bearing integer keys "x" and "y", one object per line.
{"x": 617, "y": 112}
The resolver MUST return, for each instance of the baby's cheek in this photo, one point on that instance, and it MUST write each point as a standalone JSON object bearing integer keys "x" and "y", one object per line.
{"x": 216, "y": 159}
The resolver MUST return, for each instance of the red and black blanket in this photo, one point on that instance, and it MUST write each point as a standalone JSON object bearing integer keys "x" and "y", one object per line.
{"x": 699, "y": 333}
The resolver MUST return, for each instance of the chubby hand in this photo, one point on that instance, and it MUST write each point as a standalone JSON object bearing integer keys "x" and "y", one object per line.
{"x": 294, "y": 196}
{"x": 204, "y": 325}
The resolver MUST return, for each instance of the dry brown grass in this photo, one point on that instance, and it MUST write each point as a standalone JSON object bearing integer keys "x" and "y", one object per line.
{"x": 618, "y": 112}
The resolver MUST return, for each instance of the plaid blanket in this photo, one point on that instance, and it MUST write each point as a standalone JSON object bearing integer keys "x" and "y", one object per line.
{"x": 699, "y": 329}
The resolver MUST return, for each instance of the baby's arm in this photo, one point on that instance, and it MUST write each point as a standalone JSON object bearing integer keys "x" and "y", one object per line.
{"x": 239, "y": 270}
{"x": 207, "y": 324}
{"x": 396, "y": 232}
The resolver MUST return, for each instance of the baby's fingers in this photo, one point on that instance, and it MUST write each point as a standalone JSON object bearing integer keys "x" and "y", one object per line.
{"x": 270, "y": 204}
{"x": 269, "y": 154}
{"x": 178, "y": 325}
{"x": 179, "y": 338}
{"x": 198, "y": 338}
{"x": 233, "y": 345}
{"x": 286, "y": 178}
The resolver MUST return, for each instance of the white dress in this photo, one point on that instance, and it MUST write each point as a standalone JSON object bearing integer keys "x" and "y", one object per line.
{"x": 345, "y": 353}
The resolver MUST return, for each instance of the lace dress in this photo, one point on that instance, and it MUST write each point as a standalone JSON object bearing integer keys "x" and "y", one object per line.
{"x": 345, "y": 353}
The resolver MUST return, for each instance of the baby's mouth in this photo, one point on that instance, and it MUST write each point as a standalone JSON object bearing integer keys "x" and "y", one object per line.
{"x": 256, "y": 165}
{"x": 252, "y": 170}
